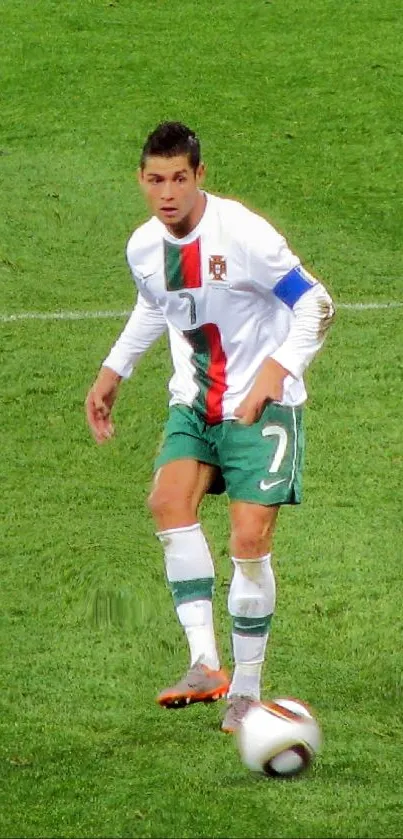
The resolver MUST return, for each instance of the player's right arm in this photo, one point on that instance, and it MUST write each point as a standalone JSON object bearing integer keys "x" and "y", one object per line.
{"x": 144, "y": 326}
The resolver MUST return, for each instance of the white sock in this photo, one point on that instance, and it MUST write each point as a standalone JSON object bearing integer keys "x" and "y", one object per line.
{"x": 251, "y": 603}
{"x": 190, "y": 574}
{"x": 197, "y": 620}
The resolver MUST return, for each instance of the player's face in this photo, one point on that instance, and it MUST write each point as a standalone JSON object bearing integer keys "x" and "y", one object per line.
{"x": 171, "y": 188}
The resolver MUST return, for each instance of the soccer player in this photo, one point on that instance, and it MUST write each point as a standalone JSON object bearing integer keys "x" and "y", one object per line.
{"x": 244, "y": 320}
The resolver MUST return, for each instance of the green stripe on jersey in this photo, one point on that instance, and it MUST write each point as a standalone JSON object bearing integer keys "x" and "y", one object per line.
{"x": 201, "y": 359}
{"x": 173, "y": 271}
{"x": 210, "y": 361}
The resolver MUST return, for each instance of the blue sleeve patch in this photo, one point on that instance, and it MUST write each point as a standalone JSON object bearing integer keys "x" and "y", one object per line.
{"x": 291, "y": 287}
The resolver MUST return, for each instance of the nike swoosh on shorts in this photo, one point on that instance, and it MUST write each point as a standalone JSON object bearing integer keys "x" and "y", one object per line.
{"x": 265, "y": 485}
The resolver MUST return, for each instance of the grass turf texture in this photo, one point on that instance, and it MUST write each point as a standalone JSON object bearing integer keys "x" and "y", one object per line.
{"x": 307, "y": 129}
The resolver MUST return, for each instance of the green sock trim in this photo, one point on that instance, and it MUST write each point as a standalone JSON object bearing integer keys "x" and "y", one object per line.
{"x": 184, "y": 591}
{"x": 251, "y": 626}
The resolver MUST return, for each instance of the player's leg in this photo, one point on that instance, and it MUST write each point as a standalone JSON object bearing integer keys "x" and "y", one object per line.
{"x": 251, "y": 602}
{"x": 179, "y": 486}
{"x": 262, "y": 470}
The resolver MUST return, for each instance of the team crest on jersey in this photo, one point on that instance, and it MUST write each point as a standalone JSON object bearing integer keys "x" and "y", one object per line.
{"x": 217, "y": 267}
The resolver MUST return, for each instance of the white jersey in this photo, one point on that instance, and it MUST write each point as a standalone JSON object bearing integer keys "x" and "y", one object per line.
{"x": 231, "y": 294}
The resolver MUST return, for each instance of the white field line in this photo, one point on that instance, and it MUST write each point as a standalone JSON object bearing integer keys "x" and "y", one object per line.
{"x": 109, "y": 313}
{"x": 66, "y": 315}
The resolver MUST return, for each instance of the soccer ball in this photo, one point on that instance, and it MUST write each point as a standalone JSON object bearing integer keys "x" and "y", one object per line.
{"x": 279, "y": 738}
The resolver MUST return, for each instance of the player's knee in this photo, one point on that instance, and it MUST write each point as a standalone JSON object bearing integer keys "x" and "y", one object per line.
{"x": 252, "y": 528}
{"x": 164, "y": 502}
{"x": 248, "y": 546}
{"x": 250, "y": 539}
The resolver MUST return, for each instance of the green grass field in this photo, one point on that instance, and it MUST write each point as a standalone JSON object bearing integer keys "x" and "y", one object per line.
{"x": 299, "y": 108}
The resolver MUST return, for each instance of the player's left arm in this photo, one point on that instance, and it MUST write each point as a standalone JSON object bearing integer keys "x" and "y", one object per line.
{"x": 313, "y": 312}
{"x": 281, "y": 274}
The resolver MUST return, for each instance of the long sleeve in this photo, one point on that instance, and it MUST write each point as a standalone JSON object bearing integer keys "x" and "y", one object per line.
{"x": 145, "y": 325}
{"x": 276, "y": 270}
{"x": 313, "y": 313}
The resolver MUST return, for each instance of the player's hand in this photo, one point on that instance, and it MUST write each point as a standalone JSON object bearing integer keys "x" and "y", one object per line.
{"x": 267, "y": 387}
{"x": 99, "y": 403}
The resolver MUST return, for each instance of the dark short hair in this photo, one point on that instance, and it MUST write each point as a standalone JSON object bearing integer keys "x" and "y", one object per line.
{"x": 170, "y": 139}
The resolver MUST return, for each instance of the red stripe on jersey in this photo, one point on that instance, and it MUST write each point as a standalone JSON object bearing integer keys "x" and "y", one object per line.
{"x": 191, "y": 265}
{"x": 216, "y": 373}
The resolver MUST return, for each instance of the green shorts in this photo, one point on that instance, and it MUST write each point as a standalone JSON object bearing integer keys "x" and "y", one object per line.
{"x": 260, "y": 463}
